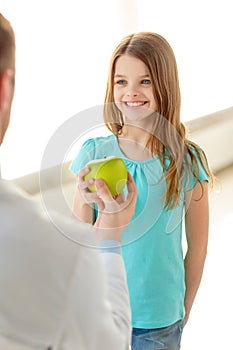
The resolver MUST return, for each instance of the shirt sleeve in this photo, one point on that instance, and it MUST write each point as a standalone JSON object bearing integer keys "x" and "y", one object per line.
{"x": 110, "y": 246}
{"x": 85, "y": 154}
{"x": 191, "y": 171}
{"x": 98, "y": 312}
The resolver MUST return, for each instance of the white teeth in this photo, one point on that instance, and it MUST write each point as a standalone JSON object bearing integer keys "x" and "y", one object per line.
{"x": 134, "y": 104}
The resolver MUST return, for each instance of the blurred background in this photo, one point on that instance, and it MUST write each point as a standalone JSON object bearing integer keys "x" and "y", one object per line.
{"x": 63, "y": 52}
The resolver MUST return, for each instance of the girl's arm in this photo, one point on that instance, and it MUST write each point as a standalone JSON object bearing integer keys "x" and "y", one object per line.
{"x": 197, "y": 226}
{"x": 81, "y": 209}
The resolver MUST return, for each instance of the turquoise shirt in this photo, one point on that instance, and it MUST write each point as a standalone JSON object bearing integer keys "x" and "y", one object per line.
{"x": 152, "y": 242}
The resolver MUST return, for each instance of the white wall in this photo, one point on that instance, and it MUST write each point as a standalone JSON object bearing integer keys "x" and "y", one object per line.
{"x": 63, "y": 51}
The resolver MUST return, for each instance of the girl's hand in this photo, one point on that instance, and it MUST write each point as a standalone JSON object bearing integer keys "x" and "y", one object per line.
{"x": 87, "y": 196}
{"x": 83, "y": 208}
{"x": 114, "y": 213}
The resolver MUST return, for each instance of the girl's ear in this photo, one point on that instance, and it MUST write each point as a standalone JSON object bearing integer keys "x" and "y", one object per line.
{"x": 6, "y": 97}
{"x": 6, "y": 90}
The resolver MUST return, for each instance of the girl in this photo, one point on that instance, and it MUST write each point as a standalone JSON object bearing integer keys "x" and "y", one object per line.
{"x": 142, "y": 110}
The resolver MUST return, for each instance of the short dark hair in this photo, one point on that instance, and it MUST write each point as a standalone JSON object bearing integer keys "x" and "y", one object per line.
{"x": 7, "y": 45}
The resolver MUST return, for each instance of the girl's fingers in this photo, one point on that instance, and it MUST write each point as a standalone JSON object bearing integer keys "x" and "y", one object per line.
{"x": 83, "y": 185}
{"x": 83, "y": 172}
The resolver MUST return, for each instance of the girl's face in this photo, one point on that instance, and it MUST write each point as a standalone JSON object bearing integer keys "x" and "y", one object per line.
{"x": 133, "y": 93}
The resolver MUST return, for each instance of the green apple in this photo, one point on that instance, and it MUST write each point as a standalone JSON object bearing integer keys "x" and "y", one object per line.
{"x": 110, "y": 169}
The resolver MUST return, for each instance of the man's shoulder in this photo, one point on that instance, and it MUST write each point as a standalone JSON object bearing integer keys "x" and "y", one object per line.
{"x": 20, "y": 210}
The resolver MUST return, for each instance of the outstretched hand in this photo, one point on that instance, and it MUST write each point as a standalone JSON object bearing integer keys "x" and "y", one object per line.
{"x": 114, "y": 213}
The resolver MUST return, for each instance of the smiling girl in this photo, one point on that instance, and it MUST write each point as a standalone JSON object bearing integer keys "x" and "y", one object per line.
{"x": 142, "y": 110}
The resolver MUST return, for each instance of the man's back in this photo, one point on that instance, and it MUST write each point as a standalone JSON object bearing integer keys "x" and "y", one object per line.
{"x": 53, "y": 289}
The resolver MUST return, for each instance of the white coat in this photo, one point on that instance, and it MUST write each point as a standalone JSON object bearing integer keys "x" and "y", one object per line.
{"x": 56, "y": 288}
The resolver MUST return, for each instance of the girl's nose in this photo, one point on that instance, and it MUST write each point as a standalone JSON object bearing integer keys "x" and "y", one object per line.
{"x": 132, "y": 94}
{"x": 132, "y": 91}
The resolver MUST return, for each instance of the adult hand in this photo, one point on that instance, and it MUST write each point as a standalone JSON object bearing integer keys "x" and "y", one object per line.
{"x": 114, "y": 212}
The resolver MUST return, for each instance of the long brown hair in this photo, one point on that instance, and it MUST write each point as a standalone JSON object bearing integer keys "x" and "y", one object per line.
{"x": 169, "y": 136}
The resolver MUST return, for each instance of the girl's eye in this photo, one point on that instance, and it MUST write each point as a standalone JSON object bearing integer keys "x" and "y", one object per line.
{"x": 121, "y": 82}
{"x": 146, "y": 82}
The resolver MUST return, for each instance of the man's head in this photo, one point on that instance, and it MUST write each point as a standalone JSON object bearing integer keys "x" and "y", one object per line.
{"x": 7, "y": 73}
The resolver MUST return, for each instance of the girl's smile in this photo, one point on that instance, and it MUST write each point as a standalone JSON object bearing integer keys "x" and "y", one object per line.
{"x": 135, "y": 104}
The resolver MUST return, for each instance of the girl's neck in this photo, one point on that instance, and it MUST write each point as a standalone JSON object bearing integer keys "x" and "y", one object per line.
{"x": 132, "y": 142}
{"x": 135, "y": 134}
